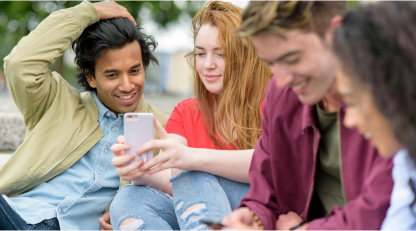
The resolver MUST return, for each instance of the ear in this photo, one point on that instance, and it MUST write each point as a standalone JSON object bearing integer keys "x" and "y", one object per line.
{"x": 91, "y": 81}
{"x": 334, "y": 24}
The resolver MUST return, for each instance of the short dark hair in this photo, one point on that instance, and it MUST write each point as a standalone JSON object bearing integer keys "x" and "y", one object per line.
{"x": 278, "y": 17}
{"x": 114, "y": 33}
{"x": 376, "y": 46}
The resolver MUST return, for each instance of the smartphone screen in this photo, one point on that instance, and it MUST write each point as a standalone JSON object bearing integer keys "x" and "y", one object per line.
{"x": 138, "y": 130}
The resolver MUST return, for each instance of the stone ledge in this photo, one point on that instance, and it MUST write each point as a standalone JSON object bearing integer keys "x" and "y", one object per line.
{"x": 12, "y": 131}
{"x": 4, "y": 157}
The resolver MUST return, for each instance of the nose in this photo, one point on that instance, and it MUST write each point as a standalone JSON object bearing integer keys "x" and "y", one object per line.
{"x": 126, "y": 84}
{"x": 283, "y": 76}
{"x": 209, "y": 62}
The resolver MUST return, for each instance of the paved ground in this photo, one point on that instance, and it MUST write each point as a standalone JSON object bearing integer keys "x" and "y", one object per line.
{"x": 165, "y": 103}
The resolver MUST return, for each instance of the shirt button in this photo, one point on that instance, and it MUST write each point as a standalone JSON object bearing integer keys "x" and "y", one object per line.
{"x": 106, "y": 150}
{"x": 108, "y": 114}
{"x": 59, "y": 211}
{"x": 113, "y": 129}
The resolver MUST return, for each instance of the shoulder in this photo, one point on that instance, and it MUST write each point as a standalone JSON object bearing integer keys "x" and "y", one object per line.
{"x": 187, "y": 106}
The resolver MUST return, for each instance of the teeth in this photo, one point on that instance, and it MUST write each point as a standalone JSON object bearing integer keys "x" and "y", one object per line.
{"x": 299, "y": 86}
{"x": 126, "y": 97}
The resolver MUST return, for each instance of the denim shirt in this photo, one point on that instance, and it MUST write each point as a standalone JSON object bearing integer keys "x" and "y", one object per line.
{"x": 402, "y": 212}
{"x": 79, "y": 196}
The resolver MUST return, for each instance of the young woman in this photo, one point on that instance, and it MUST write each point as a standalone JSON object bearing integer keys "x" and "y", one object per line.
{"x": 377, "y": 79}
{"x": 209, "y": 140}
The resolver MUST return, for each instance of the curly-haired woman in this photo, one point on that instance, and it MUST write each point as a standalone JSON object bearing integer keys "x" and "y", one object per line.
{"x": 377, "y": 79}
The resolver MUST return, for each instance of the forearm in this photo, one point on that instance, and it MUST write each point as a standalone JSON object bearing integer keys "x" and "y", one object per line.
{"x": 230, "y": 164}
{"x": 26, "y": 67}
{"x": 159, "y": 181}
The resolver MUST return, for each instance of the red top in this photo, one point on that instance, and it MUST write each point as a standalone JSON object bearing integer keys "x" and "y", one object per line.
{"x": 187, "y": 121}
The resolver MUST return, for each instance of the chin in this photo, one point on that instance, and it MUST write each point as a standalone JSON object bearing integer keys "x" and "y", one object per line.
{"x": 308, "y": 100}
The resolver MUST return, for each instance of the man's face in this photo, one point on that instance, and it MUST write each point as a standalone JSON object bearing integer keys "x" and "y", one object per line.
{"x": 301, "y": 61}
{"x": 119, "y": 78}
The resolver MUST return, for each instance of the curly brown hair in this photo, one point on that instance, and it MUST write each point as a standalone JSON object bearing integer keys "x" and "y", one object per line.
{"x": 376, "y": 47}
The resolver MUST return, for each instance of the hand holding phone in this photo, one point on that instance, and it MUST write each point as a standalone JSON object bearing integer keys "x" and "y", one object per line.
{"x": 138, "y": 130}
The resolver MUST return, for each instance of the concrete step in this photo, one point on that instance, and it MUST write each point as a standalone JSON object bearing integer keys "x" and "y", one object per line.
{"x": 4, "y": 157}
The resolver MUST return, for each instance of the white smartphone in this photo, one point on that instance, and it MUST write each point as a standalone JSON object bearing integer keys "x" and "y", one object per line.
{"x": 138, "y": 130}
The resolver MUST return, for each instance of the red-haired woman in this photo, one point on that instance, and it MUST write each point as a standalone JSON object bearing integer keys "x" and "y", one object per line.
{"x": 209, "y": 140}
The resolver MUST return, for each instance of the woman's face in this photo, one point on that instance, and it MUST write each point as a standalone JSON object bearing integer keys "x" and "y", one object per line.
{"x": 361, "y": 113}
{"x": 210, "y": 62}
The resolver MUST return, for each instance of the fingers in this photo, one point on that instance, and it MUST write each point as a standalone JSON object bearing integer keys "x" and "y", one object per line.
{"x": 158, "y": 168}
{"x": 120, "y": 161}
{"x": 159, "y": 159}
{"x": 104, "y": 222}
{"x": 159, "y": 129}
{"x": 120, "y": 140}
{"x": 153, "y": 144}
{"x": 109, "y": 10}
{"x": 118, "y": 149}
{"x": 134, "y": 175}
{"x": 127, "y": 170}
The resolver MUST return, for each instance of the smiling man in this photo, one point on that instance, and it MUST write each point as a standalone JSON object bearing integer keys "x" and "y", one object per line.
{"x": 61, "y": 177}
{"x": 308, "y": 170}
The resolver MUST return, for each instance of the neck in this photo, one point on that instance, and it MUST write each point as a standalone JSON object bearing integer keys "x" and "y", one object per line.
{"x": 332, "y": 100}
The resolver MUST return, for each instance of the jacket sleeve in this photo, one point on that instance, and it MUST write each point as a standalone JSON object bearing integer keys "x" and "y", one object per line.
{"x": 261, "y": 197}
{"x": 368, "y": 210}
{"x": 32, "y": 85}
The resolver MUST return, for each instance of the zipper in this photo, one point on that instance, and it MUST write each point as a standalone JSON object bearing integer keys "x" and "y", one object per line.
{"x": 69, "y": 153}
{"x": 308, "y": 201}
{"x": 341, "y": 175}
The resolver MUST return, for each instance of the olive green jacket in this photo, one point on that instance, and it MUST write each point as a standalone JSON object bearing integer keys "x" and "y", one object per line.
{"x": 61, "y": 123}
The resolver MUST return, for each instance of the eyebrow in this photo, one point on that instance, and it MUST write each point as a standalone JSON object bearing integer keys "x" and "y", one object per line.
{"x": 115, "y": 70}
{"x": 284, "y": 56}
{"x": 198, "y": 47}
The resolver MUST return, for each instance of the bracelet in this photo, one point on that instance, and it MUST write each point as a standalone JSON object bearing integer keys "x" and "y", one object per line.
{"x": 258, "y": 221}
{"x": 298, "y": 225}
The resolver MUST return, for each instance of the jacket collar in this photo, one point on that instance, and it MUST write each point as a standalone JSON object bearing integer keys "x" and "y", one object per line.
{"x": 309, "y": 117}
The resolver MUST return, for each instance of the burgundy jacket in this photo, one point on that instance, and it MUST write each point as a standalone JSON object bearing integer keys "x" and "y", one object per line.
{"x": 283, "y": 168}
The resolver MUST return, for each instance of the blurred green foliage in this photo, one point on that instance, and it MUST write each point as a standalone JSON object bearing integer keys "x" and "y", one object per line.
{"x": 352, "y": 3}
{"x": 18, "y": 18}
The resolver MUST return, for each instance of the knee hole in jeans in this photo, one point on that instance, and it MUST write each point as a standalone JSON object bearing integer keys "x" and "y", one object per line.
{"x": 130, "y": 223}
{"x": 192, "y": 213}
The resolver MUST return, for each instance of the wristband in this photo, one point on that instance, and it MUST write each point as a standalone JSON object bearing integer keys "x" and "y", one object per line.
{"x": 258, "y": 221}
{"x": 298, "y": 225}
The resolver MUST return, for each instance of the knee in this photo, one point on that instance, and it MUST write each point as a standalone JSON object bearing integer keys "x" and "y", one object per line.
{"x": 192, "y": 215}
{"x": 131, "y": 223}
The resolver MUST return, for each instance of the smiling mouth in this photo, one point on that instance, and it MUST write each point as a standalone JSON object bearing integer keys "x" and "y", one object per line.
{"x": 300, "y": 86}
{"x": 126, "y": 96}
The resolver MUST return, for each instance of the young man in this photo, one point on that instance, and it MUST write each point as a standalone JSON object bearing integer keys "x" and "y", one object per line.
{"x": 307, "y": 167}
{"x": 61, "y": 177}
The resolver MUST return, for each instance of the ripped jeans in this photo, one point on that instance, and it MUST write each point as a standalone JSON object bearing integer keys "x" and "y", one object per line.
{"x": 196, "y": 195}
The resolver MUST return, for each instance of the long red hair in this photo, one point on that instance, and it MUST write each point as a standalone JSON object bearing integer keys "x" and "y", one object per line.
{"x": 237, "y": 119}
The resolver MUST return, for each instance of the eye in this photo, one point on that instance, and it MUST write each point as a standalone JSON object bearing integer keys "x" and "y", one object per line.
{"x": 200, "y": 54}
{"x": 135, "y": 71}
{"x": 110, "y": 76}
{"x": 219, "y": 54}
{"x": 293, "y": 61}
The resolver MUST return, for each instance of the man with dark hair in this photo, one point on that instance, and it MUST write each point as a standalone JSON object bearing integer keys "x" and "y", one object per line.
{"x": 308, "y": 170}
{"x": 61, "y": 177}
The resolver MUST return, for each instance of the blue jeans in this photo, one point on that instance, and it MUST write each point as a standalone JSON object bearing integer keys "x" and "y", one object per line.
{"x": 196, "y": 195}
{"x": 10, "y": 220}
